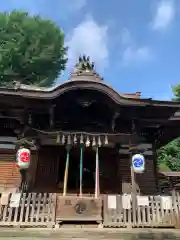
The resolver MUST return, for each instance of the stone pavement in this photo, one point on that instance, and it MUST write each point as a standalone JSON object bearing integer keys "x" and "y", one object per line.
{"x": 89, "y": 234}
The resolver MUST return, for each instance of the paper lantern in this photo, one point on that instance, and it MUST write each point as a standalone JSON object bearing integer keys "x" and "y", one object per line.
{"x": 138, "y": 163}
{"x": 23, "y": 158}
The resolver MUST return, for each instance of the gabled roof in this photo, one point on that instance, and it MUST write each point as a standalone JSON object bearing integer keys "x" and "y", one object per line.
{"x": 83, "y": 77}
{"x": 26, "y": 91}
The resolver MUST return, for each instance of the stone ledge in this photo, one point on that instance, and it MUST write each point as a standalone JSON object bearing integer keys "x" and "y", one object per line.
{"x": 91, "y": 234}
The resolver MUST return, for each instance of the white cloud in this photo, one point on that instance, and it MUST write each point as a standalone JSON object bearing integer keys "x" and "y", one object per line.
{"x": 164, "y": 14}
{"x": 91, "y": 39}
{"x": 133, "y": 54}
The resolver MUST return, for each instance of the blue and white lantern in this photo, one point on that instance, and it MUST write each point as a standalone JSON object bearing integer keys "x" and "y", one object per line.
{"x": 138, "y": 163}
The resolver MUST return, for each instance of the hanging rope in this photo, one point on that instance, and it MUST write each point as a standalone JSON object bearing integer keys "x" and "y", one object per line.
{"x": 81, "y": 170}
{"x": 66, "y": 173}
{"x": 97, "y": 174}
{"x": 79, "y": 133}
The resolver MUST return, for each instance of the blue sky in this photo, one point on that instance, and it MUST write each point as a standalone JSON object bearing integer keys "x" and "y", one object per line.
{"x": 135, "y": 44}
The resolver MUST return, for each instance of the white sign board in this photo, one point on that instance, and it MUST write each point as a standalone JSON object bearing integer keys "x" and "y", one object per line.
{"x": 5, "y": 198}
{"x": 126, "y": 201}
{"x": 15, "y": 200}
{"x": 112, "y": 202}
{"x": 138, "y": 163}
{"x": 142, "y": 201}
{"x": 166, "y": 202}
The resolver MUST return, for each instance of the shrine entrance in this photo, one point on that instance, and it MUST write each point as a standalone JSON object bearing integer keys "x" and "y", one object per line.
{"x": 76, "y": 175}
{"x": 73, "y": 178}
{"x": 52, "y": 173}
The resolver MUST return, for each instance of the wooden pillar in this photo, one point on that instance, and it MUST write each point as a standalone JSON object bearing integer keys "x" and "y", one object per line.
{"x": 66, "y": 171}
{"x": 156, "y": 174}
{"x": 51, "y": 116}
{"x": 81, "y": 170}
{"x": 133, "y": 179}
{"x": 30, "y": 117}
{"x": 32, "y": 170}
{"x": 97, "y": 190}
{"x": 133, "y": 186}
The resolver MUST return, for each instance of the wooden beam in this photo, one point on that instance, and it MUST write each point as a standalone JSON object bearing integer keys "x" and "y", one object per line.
{"x": 159, "y": 120}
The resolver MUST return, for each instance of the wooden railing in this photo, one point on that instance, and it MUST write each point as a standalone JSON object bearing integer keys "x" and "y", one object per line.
{"x": 141, "y": 211}
{"x": 34, "y": 209}
{"x": 39, "y": 210}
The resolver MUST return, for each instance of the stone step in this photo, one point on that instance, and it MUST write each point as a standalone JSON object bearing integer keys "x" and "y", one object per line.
{"x": 94, "y": 234}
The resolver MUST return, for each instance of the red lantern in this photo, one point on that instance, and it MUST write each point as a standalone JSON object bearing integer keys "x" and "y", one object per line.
{"x": 23, "y": 158}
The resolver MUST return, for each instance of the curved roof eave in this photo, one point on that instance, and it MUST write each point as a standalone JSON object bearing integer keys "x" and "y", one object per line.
{"x": 26, "y": 91}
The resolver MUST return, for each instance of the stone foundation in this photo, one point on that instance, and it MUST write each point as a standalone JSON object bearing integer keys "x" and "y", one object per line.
{"x": 90, "y": 234}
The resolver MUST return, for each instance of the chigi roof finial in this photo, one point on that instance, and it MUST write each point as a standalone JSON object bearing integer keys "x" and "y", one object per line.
{"x": 84, "y": 65}
{"x": 85, "y": 68}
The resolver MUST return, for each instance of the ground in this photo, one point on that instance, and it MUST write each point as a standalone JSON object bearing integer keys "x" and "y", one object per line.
{"x": 89, "y": 234}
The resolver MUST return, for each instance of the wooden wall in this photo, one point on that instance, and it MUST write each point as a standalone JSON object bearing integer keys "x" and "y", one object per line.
{"x": 110, "y": 179}
{"x": 9, "y": 172}
{"x": 146, "y": 183}
{"x": 46, "y": 171}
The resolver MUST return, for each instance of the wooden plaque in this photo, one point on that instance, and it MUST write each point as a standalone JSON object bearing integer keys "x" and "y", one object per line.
{"x": 75, "y": 208}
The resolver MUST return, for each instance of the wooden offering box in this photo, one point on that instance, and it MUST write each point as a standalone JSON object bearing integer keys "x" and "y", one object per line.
{"x": 75, "y": 208}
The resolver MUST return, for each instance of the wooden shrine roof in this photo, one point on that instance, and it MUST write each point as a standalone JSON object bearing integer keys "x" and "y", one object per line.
{"x": 25, "y": 91}
{"x": 85, "y": 79}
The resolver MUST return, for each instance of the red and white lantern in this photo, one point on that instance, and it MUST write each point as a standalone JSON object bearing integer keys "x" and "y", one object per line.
{"x": 23, "y": 158}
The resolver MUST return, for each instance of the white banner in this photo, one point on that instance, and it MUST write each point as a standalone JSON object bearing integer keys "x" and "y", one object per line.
{"x": 126, "y": 201}
{"x": 166, "y": 202}
{"x": 142, "y": 201}
{"x": 112, "y": 204}
{"x": 15, "y": 200}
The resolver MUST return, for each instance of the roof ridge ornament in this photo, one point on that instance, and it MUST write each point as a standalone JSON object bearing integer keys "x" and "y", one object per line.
{"x": 85, "y": 68}
{"x": 84, "y": 64}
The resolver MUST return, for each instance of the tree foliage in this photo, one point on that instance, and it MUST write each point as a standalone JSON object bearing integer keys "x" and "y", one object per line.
{"x": 31, "y": 49}
{"x": 176, "y": 91}
{"x": 169, "y": 155}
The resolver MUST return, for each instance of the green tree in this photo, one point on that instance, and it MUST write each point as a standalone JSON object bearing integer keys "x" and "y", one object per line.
{"x": 31, "y": 50}
{"x": 168, "y": 156}
{"x": 176, "y": 91}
